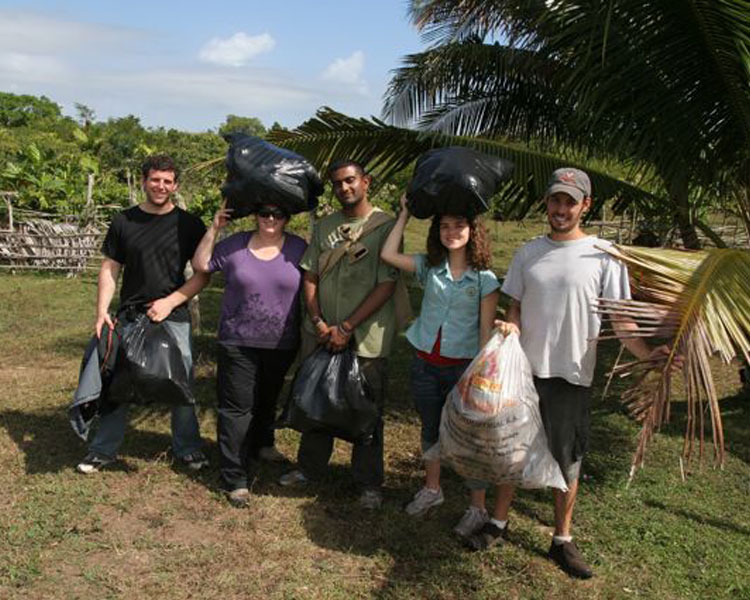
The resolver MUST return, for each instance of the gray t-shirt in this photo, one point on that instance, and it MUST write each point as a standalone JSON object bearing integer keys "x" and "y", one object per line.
{"x": 557, "y": 284}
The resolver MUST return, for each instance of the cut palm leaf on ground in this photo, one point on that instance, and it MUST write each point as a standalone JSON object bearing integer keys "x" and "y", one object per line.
{"x": 699, "y": 302}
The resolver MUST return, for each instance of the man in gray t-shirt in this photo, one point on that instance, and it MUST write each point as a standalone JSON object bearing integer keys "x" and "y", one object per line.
{"x": 554, "y": 282}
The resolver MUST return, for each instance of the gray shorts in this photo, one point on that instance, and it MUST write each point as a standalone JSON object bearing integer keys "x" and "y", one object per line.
{"x": 566, "y": 414}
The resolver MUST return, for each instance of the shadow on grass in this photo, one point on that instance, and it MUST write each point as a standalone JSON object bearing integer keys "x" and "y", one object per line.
{"x": 735, "y": 414}
{"x": 698, "y": 518}
{"x": 48, "y": 445}
{"x": 419, "y": 555}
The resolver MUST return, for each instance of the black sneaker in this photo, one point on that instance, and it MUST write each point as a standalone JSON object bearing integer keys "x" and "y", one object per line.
{"x": 486, "y": 537}
{"x": 195, "y": 460}
{"x": 569, "y": 559}
{"x": 92, "y": 463}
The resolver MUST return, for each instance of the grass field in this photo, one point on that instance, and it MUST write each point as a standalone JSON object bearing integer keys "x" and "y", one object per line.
{"x": 146, "y": 528}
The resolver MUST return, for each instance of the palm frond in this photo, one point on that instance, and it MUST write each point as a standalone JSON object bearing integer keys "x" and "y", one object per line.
{"x": 386, "y": 150}
{"x": 495, "y": 88}
{"x": 444, "y": 21}
{"x": 701, "y": 302}
{"x": 665, "y": 83}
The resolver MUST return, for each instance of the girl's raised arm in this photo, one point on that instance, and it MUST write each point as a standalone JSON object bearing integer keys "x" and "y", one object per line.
{"x": 391, "y": 249}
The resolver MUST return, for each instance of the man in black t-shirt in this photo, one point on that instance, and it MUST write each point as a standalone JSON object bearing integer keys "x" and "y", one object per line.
{"x": 151, "y": 243}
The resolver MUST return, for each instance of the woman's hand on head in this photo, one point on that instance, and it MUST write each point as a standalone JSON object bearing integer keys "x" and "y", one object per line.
{"x": 403, "y": 203}
{"x": 222, "y": 216}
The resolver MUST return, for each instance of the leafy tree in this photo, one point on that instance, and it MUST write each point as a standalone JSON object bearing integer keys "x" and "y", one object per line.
{"x": 46, "y": 181}
{"x": 22, "y": 110}
{"x": 86, "y": 115}
{"x": 248, "y": 125}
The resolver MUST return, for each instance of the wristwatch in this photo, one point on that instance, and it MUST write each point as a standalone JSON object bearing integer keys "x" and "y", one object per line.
{"x": 316, "y": 319}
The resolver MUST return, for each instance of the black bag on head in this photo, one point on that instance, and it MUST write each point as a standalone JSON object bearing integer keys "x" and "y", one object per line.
{"x": 260, "y": 173}
{"x": 330, "y": 395}
{"x": 455, "y": 181}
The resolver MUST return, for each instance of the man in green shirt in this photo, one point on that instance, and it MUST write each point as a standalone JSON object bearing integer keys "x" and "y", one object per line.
{"x": 348, "y": 293}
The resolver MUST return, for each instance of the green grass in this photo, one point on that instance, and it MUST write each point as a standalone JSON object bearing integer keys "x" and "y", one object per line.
{"x": 145, "y": 528}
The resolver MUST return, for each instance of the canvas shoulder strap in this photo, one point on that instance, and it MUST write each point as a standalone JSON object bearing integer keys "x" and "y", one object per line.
{"x": 330, "y": 258}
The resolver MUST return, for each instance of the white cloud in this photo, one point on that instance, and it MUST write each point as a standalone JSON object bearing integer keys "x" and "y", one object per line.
{"x": 348, "y": 71}
{"x": 32, "y": 33}
{"x": 103, "y": 66}
{"x": 251, "y": 91}
{"x": 19, "y": 67}
{"x": 237, "y": 50}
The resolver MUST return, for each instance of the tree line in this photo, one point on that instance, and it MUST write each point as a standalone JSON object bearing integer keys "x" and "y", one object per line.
{"x": 47, "y": 158}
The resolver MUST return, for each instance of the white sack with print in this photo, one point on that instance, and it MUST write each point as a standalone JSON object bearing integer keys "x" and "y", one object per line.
{"x": 491, "y": 428}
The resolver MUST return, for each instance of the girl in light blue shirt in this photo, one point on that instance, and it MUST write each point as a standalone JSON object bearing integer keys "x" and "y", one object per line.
{"x": 455, "y": 321}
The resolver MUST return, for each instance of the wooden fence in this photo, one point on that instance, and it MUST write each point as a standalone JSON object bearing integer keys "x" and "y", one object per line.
{"x": 625, "y": 231}
{"x": 31, "y": 240}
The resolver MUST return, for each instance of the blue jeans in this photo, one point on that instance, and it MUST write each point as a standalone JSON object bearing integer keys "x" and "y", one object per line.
{"x": 430, "y": 386}
{"x": 186, "y": 437}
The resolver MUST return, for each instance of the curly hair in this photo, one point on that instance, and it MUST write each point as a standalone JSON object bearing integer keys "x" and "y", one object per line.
{"x": 159, "y": 162}
{"x": 478, "y": 253}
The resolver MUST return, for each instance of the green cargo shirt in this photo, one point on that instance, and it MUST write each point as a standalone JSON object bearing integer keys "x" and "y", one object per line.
{"x": 350, "y": 282}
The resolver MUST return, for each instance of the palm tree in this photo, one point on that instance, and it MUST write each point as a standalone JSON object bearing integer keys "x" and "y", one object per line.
{"x": 662, "y": 86}
{"x": 660, "y": 89}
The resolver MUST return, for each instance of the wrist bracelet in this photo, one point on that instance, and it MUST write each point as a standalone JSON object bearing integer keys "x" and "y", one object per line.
{"x": 316, "y": 320}
{"x": 344, "y": 328}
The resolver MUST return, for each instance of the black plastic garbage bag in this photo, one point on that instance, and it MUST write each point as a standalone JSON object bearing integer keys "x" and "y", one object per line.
{"x": 455, "y": 181}
{"x": 150, "y": 367}
{"x": 329, "y": 394}
{"x": 261, "y": 173}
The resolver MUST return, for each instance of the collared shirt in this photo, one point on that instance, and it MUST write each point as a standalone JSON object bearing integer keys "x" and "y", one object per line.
{"x": 347, "y": 285}
{"x": 450, "y": 305}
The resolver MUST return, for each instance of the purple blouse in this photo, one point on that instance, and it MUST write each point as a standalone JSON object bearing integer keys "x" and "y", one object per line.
{"x": 260, "y": 307}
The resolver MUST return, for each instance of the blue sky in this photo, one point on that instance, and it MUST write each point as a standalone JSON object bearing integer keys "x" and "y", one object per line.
{"x": 188, "y": 65}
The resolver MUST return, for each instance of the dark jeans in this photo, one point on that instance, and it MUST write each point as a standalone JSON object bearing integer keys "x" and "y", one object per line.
{"x": 367, "y": 458}
{"x": 248, "y": 382}
{"x": 430, "y": 386}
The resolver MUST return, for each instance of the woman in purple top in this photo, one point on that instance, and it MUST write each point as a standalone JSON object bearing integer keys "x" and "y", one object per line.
{"x": 258, "y": 335}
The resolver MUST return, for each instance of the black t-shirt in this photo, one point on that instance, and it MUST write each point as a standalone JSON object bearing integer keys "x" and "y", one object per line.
{"x": 154, "y": 250}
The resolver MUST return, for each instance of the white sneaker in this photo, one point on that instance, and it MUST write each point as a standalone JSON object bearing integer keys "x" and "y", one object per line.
{"x": 423, "y": 501}
{"x": 473, "y": 519}
{"x": 271, "y": 454}
{"x": 92, "y": 463}
{"x": 371, "y": 499}
{"x": 295, "y": 477}
{"x": 239, "y": 497}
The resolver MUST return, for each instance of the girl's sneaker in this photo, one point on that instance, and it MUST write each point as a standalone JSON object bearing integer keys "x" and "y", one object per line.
{"x": 423, "y": 501}
{"x": 474, "y": 518}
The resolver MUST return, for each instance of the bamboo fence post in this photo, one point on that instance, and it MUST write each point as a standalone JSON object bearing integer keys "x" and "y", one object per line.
{"x": 9, "y": 204}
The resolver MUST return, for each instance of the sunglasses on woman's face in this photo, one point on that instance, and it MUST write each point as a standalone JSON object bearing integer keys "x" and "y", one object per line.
{"x": 267, "y": 214}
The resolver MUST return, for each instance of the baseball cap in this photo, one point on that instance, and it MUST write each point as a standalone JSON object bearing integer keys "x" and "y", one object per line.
{"x": 573, "y": 182}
